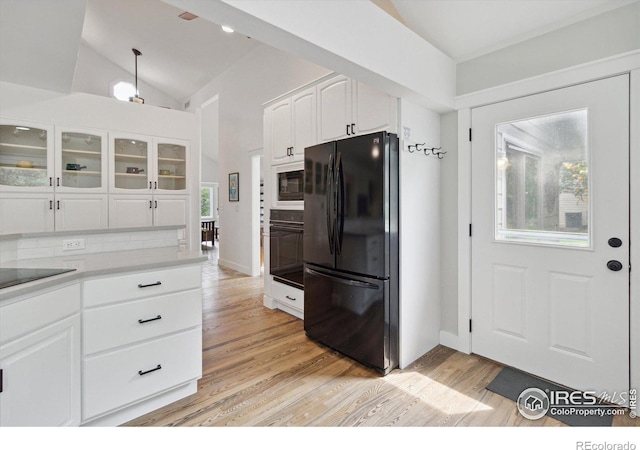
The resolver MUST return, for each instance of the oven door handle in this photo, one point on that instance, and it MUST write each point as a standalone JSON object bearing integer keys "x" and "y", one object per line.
{"x": 286, "y": 228}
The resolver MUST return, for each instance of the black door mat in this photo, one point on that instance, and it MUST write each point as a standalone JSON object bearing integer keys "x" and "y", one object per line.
{"x": 510, "y": 383}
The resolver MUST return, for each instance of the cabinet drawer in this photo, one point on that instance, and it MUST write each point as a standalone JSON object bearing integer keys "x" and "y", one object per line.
{"x": 126, "y": 323}
{"x": 38, "y": 311}
{"x": 288, "y": 295}
{"x": 101, "y": 291}
{"x": 118, "y": 378}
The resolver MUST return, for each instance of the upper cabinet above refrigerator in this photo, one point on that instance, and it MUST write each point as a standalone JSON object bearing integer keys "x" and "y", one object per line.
{"x": 348, "y": 107}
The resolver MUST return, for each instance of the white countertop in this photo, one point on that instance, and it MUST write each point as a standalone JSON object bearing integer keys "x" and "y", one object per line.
{"x": 89, "y": 265}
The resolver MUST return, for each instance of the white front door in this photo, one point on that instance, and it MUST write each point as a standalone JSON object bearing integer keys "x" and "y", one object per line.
{"x": 550, "y": 236}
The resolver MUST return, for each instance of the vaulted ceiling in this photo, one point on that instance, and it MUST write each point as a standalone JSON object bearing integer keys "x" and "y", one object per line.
{"x": 179, "y": 57}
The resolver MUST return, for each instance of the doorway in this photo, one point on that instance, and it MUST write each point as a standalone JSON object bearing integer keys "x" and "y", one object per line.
{"x": 550, "y": 243}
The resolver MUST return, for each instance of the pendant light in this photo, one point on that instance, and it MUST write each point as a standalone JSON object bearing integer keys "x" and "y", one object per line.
{"x": 136, "y": 98}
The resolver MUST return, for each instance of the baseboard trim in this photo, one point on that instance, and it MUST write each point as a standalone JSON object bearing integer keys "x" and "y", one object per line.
{"x": 237, "y": 267}
{"x": 450, "y": 340}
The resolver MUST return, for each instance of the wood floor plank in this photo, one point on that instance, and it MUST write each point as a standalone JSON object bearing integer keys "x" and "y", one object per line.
{"x": 260, "y": 369}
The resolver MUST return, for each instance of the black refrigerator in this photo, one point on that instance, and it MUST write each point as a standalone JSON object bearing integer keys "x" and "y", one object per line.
{"x": 350, "y": 247}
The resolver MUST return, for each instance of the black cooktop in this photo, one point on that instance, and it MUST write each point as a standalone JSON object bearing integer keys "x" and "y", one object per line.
{"x": 12, "y": 277}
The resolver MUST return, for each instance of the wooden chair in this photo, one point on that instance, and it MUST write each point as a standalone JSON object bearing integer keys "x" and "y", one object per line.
{"x": 208, "y": 231}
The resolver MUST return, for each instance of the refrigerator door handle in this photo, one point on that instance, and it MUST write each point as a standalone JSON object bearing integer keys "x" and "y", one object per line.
{"x": 339, "y": 204}
{"x": 356, "y": 283}
{"x": 330, "y": 222}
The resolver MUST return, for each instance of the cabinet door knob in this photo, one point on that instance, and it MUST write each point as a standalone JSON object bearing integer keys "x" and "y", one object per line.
{"x": 348, "y": 134}
{"x": 352, "y": 129}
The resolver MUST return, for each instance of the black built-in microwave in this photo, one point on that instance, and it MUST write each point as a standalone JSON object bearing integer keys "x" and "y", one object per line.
{"x": 291, "y": 185}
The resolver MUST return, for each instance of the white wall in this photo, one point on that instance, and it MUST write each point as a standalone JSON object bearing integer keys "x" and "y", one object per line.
{"x": 448, "y": 221}
{"x": 262, "y": 75}
{"x": 209, "y": 143}
{"x": 96, "y": 75}
{"x": 611, "y": 33}
{"x": 420, "y": 282}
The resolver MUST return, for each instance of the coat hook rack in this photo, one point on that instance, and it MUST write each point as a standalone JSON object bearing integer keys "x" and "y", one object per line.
{"x": 428, "y": 151}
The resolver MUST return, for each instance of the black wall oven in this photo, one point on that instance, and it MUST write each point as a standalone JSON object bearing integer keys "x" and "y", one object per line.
{"x": 285, "y": 246}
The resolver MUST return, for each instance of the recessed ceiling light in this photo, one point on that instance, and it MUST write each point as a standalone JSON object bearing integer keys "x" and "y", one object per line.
{"x": 187, "y": 16}
{"x": 23, "y": 128}
{"x": 227, "y": 29}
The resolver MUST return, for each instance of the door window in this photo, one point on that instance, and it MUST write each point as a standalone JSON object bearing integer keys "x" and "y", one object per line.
{"x": 542, "y": 182}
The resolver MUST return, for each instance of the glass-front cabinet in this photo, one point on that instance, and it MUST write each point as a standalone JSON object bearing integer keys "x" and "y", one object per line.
{"x": 145, "y": 164}
{"x": 171, "y": 166}
{"x": 131, "y": 163}
{"x": 81, "y": 161}
{"x": 26, "y": 157}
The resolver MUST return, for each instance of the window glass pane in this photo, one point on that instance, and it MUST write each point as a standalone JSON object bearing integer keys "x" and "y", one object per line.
{"x": 542, "y": 183}
{"x": 205, "y": 202}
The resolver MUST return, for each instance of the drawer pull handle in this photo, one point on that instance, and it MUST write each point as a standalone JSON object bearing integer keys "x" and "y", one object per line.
{"x": 293, "y": 299}
{"x": 158, "y": 317}
{"x": 158, "y": 367}
{"x": 157, "y": 283}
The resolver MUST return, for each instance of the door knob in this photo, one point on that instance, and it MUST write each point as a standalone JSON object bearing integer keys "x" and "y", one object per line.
{"x": 614, "y": 265}
{"x": 615, "y": 242}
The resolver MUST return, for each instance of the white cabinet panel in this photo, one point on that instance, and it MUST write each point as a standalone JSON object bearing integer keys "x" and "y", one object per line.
{"x": 304, "y": 123}
{"x": 37, "y": 311}
{"x": 124, "y": 376}
{"x": 123, "y": 323}
{"x": 41, "y": 377}
{"x": 170, "y": 210}
{"x": 373, "y": 110}
{"x": 101, "y": 291}
{"x": 334, "y": 109}
{"x": 281, "y": 131}
{"x": 81, "y": 212}
{"x": 26, "y": 213}
{"x": 40, "y": 359}
{"x": 130, "y": 211}
{"x": 288, "y": 295}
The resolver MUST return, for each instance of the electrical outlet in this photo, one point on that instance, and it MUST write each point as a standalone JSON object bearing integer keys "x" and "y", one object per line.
{"x": 73, "y": 244}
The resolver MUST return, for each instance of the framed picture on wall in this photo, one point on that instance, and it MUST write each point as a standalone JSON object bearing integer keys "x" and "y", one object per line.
{"x": 234, "y": 184}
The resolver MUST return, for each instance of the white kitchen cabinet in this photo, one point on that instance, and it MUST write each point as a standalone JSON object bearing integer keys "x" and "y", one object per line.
{"x": 52, "y": 184}
{"x": 26, "y": 156}
{"x": 334, "y": 109}
{"x": 148, "y": 182}
{"x": 80, "y": 160}
{"x": 373, "y": 110}
{"x": 142, "y": 337}
{"x": 281, "y": 131}
{"x": 288, "y": 298}
{"x": 146, "y": 164}
{"x": 293, "y": 126}
{"x": 40, "y": 359}
{"x": 26, "y": 213}
{"x": 81, "y": 212}
{"x": 348, "y": 107}
{"x": 147, "y": 210}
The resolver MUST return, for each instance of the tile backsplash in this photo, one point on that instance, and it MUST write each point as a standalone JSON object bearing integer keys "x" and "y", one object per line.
{"x": 47, "y": 246}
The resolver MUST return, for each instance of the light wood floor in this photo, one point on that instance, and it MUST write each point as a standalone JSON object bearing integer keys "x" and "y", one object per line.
{"x": 259, "y": 369}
